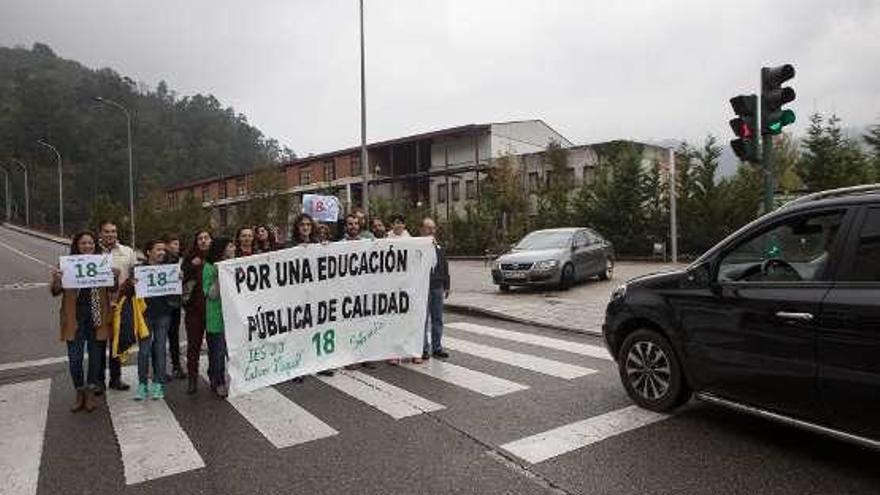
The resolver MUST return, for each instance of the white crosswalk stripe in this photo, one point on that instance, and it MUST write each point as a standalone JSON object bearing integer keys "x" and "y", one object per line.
{"x": 281, "y": 421}
{"x": 151, "y": 441}
{"x": 594, "y": 351}
{"x": 23, "y": 410}
{"x": 558, "y": 441}
{"x": 518, "y": 359}
{"x": 476, "y": 381}
{"x": 390, "y": 399}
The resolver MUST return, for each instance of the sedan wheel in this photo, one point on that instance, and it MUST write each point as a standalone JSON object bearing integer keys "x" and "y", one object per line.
{"x": 651, "y": 373}
{"x": 566, "y": 279}
{"x": 608, "y": 273}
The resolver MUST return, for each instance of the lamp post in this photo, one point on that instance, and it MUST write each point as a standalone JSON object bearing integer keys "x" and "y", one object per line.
{"x": 124, "y": 110}
{"x": 365, "y": 168}
{"x": 60, "y": 186}
{"x": 6, "y": 194}
{"x": 27, "y": 198}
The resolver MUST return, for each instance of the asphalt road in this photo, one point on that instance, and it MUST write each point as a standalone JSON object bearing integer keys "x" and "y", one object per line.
{"x": 545, "y": 416}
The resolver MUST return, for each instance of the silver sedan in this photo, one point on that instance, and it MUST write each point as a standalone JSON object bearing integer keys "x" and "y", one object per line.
{"x": 558, "y": 257}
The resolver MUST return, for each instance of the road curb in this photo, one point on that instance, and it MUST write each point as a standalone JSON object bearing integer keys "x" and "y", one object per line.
{"x": 34, "y": 233}
{"x": 478, "y": 311}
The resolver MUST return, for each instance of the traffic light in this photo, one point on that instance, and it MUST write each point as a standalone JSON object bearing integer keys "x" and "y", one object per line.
{"x": 773, "y": 96}
{"x": 745, "y": 126}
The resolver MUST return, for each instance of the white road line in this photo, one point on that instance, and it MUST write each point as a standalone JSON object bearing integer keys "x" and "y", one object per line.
{"x": 23, "y": 410}
{"x": 476, "y": 381}
{"x": 594, "y": 351}
{"x": 390, "y": 399}
{"x": 281, "y": 421}
{"x": 558, "y": 441}
{"x": 33, "y": 364}
{"x": 525, "y": 361}
{"x": 25, "y": 255}
{"x": 152, "y": 442}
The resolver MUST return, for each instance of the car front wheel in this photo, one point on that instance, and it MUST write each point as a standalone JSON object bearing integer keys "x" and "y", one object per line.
{"x": 608, "y": 272}
{"x": 566, "y": 279}
{"x": 651, "y": 371}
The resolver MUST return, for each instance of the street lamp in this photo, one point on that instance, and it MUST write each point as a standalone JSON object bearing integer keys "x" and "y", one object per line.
{"x": 27, "y": 199}
{"x": 112, "y": 103}
{"x": 8, "y": 203}
{"x": 60, "y": 186}
{"x": 364, "y": 166}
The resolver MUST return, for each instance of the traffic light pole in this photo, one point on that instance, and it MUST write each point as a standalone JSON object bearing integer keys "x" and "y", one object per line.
{"x": 769, "y": 176}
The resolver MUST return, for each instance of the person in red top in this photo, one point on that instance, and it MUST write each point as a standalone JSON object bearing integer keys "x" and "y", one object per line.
{"x": 194, "y": 304}
{"x": 244, "y": 242}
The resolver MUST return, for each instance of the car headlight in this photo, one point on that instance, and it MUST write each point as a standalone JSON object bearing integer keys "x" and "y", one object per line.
{"x": 496, "y": 265}
{"x": 619, "y": 292}
{"x": 546, "y": 264}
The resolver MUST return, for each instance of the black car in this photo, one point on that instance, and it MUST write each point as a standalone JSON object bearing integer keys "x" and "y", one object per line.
{"x": 781, "y": 319}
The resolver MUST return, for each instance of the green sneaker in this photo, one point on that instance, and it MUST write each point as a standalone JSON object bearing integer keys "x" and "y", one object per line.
{"x": 158, "y": 391}
{"x": 141, "y": 392}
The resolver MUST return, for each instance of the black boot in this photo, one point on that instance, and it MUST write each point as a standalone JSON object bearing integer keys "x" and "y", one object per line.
{"x": 192, "y": 384}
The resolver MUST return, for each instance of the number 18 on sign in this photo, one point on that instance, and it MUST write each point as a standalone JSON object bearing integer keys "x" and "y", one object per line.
{"x": 157, "y": 280}
{"x": 85, "y": 271}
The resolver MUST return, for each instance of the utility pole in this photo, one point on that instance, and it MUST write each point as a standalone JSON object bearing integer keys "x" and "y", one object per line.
{"x": 673, "y": 214}
{"x": 27, "y": 196}
{"x": 60, "y": 186}
{"x": 124, "y": 110}
{"x": 364, "y": 167}
{"x": 6, "y": 194}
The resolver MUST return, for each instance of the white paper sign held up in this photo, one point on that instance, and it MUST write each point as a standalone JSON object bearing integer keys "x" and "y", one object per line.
{"x": 321, "y": 208}
{"x": 86, "y": 271}
{"x": 157, "y": 280}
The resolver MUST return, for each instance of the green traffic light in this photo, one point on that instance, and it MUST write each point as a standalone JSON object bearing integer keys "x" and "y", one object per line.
{"x": 787, "y": 117}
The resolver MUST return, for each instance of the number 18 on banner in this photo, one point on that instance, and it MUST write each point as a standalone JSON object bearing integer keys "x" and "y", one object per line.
{"x": 86, "y": 271}
{"x": 157, "y": 280}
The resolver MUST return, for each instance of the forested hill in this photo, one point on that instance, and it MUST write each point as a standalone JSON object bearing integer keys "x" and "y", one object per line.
{"x": 45, "y": 97}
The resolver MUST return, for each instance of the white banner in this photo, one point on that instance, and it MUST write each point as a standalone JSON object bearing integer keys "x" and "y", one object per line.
{"x": 84, "y": 271}
{"x": 157, "y": 280}
{"x": 321, "y": 208}
{"x": 322, "y": 306}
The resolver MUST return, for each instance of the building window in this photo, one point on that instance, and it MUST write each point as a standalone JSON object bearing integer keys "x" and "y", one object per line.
{"x": 569, "y": 176}
{"x": 534, "y": 179}
{"x": 329, "y": 171}
{"x": 441, "y": 193}
{"x": 456, "y": 193}
{"x": 171, "y": 197}
{"x": 206, "y": 193}
{"x": 589, "y": 174}
{"x": 305, "y": 177}
{"x": 224, "y": 217}
{"x": 470, "y": 190}
{"x": 548, "y": 178}
{"x": 356, "y": 165}
{"x": 240, "y": 186}
{"x": 224, "y": 191}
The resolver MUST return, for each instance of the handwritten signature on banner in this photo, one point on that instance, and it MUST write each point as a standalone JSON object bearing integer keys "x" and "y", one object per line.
{"x": 270, "y": 358}
{"x": 360, "y": 338}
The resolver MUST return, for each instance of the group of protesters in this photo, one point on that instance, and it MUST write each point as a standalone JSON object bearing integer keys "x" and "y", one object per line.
{"x": 92, "y": 318}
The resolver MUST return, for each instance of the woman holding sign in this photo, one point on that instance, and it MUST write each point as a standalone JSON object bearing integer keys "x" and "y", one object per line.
{"x": 85, "y": 324}
{"x": 221, "y": 249}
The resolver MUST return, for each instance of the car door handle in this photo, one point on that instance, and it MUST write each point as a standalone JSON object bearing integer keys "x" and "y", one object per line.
{"x": 803, "y": 317}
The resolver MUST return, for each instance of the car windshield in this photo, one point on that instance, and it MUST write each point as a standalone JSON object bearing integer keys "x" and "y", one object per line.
{"x": 544, "y": 240}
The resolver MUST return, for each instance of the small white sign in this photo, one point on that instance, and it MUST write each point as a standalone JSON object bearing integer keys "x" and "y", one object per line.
{"x": 86, "y": 271}
{"x": 321, "y": 208}
{"x": 157, "y": 280}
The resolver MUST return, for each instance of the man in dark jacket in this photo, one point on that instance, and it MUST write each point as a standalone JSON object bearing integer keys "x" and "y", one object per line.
{"x": 438, "y": 291}
{"x": 172, "y": 256}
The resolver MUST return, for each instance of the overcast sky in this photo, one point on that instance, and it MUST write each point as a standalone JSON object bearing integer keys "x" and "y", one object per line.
{"x": 594, "y": 70}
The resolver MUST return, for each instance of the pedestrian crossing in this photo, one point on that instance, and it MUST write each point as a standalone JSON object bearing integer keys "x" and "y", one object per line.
{"x": 153, "y": 444}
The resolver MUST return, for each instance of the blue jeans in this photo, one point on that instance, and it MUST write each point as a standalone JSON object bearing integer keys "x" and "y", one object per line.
{"x": 434, "y": 321}
{"x": 216, "y": 358}
{"x": 76, "y": 349}
{"x": 154, "y": 347}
